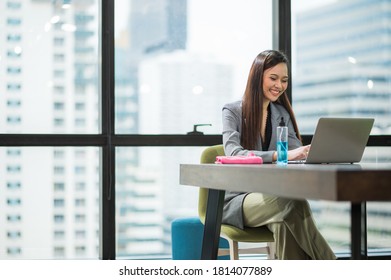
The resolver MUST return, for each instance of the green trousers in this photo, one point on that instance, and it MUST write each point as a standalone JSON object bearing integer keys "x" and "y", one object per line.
{"x": 292, "y": 224}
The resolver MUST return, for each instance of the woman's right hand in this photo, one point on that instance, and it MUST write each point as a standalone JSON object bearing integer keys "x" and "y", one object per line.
{"x": 299, "y": 153}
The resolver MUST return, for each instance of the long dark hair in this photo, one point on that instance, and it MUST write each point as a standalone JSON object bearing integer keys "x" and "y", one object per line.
{"x": 252, "y": 109}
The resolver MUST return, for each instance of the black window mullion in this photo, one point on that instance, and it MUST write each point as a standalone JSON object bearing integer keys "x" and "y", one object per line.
{"x": 166, "y": 140}
{"x": 107, "y": 232}
{"x": 283, "y": 33}
{"x": 51, "y": 140}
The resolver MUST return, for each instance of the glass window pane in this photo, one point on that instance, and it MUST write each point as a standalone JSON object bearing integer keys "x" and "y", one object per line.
{"x": 333, "y": 218}
{"x": 178, "y": 62}
{"x": 44, "y": 214}
{"x": 342, "y": 61}
{"x": 342, "y": 67}
{"x": 379, "y": 213}
{"x": 149, "y": 197}
{"x": 41, "y": 65}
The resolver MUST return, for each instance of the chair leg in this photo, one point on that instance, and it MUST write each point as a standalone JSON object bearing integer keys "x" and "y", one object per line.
{"x": 233, "y": 249}
{"x": 271, "y": 250}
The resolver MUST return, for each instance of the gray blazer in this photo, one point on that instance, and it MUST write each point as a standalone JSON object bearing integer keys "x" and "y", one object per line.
{"x": 232, "y": 128}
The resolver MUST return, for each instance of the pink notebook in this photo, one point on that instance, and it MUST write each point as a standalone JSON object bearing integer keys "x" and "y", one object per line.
{"x": 249, "y": 159}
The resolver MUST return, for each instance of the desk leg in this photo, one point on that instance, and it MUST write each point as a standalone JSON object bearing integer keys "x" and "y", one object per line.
{"x": 359, "y": 231}
{"x": 214, "y": 213}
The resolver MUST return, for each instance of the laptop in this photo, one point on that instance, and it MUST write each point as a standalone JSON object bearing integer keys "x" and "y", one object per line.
{"x": 339, "y": 140}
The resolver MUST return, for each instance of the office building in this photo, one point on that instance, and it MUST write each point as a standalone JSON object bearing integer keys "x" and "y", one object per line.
{"x": 342, "y": 69}
{"x": 48, "y": 85}
{"x": 152, "y": 31}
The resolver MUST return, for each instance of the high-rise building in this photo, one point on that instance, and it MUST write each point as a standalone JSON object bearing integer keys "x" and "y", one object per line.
{"x": 343, "y": 58}
{"x": 155, "y": 28}
{"x": 48, "y": 81}
{"x": 343, "y": 63}
{"x": 158, "y": 26}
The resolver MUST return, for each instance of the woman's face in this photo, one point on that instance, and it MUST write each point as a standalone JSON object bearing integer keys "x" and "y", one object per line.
{"x": 275, "y": 81}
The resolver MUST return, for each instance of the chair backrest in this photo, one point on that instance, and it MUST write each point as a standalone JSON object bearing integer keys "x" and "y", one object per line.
{"x": 207, "y": 156}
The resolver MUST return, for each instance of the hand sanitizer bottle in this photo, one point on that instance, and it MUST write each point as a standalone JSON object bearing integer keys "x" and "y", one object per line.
{"x": 282, "y": 143}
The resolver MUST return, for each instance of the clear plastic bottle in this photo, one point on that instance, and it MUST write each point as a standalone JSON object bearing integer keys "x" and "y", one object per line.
{"x": 282, "y": 143}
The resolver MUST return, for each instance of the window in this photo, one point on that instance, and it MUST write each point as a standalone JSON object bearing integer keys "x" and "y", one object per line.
{"x": 80, "y": 154}
{"x": 80, "y": 218}
{"x": 59, "y": 219}
{"x": 14, "y": 168}
{"x": 14, "y": 87}
{"x": 59, "y": 106}
{"x": 183, "y": 72}
{"x": 80, "y": 186}
{"x": 14, "y": 251}
{"x": 14, "y": 38}
{"x": 14, "y": 103}
{"x": 37, "y": 195}
{"x": 14, "y": 201}
{"x": 80, "y": 250}
{"x": 341, "y": 68}
{"x": 59, "y": 154}
{"x": 14, "y": 234}
{"x": 59, "y": 251}
{"x": 59, "y": 170}
{"x": 14, "y": 53}
{"x": 79, "y": 202}
{"x": 59, "y": 89}
{"x": 14, "y": 21}
{"x": 80, "y": 234}
{"x": 58, "y": 63}
{"x": 343, "y": 73}
{"x": 57, "y": 25}
{"x": 14, "y": 185}
{"x": 14, "y": 70}
{"x": 59, "y": 41}
{"x": 80, "y": 122}
{"x": 59, "y": 234}
{"x": 59, "y": 73}
{"x": 80, "y": 106}
{"x": 80, "y": 170}
{"x": 13, "y": 5}
{"x": 13, "y": 152}
{"x": 59, "y": 203}
{"x": 58, "y": 122}
{"x": 14, "y": 120}
{"x": 180, "y": 74}
{"x": 59, "y": 57}
{"x": 59, "y": 186}
{"x": 14, "y": 218}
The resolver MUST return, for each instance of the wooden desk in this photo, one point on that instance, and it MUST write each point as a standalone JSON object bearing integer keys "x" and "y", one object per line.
{"x": 356, "y": 183}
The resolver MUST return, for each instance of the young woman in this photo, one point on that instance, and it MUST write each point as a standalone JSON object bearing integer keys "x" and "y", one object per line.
{"x": 250, "y": 125}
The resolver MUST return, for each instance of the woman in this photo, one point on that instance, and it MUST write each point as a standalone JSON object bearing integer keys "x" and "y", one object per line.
{"x": 250, "y": 125}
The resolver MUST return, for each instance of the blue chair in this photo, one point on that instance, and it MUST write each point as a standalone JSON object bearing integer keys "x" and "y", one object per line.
{"x": 186, "y": 239}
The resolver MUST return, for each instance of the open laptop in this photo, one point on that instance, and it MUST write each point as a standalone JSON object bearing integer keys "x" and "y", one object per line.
{"x": 339, "y": 140}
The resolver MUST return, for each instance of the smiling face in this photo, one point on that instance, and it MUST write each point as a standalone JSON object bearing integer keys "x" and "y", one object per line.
{"x": 275, "y": 81}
